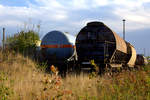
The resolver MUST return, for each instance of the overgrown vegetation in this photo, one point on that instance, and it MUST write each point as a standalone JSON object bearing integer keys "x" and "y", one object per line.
{"x": 21, "y": 79}
{"x": 23, "y": 42}
{"x": 5, "y": 91}
{"x": 148, "y": 58}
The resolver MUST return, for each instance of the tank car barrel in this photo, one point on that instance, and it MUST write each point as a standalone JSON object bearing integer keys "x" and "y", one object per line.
{"x": 57, "y": 46}
{"x": 98, "y": 42}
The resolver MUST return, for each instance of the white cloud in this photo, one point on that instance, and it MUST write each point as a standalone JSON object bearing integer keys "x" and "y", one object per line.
{"x": 97, "y": 3}
{"x": 10, "y": 23}
{"x": 145, "y": 1}
{"x": 128, "y": 3}
{"x": 49, "y": 3}
{"x": 137, "y": 17}
{"x": 79, "y": 4}
{"x": 24, "y": 13}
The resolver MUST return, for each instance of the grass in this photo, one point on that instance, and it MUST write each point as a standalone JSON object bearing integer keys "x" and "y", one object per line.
{"x": 22, "y": 79}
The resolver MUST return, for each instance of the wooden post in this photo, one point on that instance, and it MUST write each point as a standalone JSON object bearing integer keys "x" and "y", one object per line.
{"x": 3, "y": 39}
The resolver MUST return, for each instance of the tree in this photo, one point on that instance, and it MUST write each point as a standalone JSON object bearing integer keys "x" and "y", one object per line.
{"x": 23, "y": 42}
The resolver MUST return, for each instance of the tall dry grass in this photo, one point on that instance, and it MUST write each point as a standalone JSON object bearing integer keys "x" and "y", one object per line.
{"x": 20, "y": 79}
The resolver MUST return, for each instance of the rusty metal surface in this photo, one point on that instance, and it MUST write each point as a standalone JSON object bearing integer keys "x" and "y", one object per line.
{"x": 106, "y": 34}
{"x": 120, "y": 43}
{"x": 116, "y": 65}
{"x": 132, "y": 60}
{"x": 97, "y": 41}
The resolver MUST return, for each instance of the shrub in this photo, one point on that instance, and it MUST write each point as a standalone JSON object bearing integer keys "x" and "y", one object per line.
{"x": 23, "y": 42}
{"x": 5, "y": 91}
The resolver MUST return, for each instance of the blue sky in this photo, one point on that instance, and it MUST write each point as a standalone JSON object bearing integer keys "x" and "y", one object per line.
{"x": 71, "y": 15}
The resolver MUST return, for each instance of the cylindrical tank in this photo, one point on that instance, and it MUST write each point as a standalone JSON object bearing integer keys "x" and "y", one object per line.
{"x": 57, "y": 46}
{"x": 98, "y": 42}
{"x": 141, "y": 60}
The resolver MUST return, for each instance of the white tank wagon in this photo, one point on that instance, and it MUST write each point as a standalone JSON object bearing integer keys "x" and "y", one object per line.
{"x": 57, "y": 46}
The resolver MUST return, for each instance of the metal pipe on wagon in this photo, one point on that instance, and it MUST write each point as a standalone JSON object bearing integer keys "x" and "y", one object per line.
{"x": 3, "y": 39}
{"x": 124, "y": 28}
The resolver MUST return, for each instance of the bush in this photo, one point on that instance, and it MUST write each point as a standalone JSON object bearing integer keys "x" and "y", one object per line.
{"x": 23, "y": 42}
{"x": 5, "y": 91}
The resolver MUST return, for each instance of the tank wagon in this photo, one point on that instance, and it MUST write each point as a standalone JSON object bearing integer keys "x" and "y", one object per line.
{"x": 98, "y": 42}
{"x": 141, "y": 60}
{"x": 57, "y": 47}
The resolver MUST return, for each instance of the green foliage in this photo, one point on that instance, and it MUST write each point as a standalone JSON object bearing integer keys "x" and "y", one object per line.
{"x": 42, "y": 66}
{"x": 148, "y": 58}
{"x": 5, "y": 91}
{"x": 95, "y": 66}
{"x": 23, "y": 41}
{"x": 127, "y": 85}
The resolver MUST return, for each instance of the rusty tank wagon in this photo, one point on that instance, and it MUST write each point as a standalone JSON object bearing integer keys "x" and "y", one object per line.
{"x": 141, "y": 60}
{"x": 98, "y": 42}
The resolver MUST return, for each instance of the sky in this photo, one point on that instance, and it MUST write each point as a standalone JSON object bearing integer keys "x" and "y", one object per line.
{"x": 71, "y": 15}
